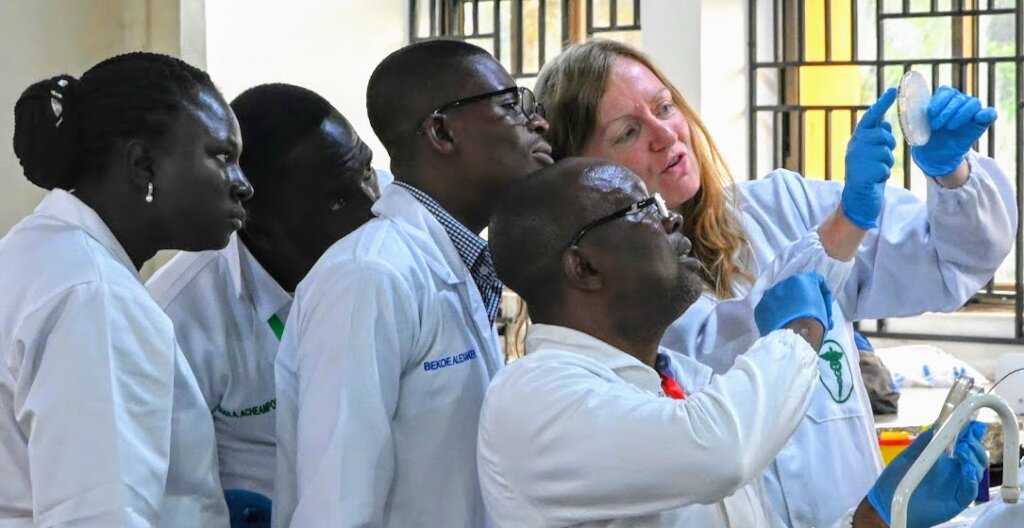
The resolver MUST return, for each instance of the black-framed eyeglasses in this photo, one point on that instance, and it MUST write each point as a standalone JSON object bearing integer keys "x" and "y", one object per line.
{"x": 525, "y": 101}
{"x": 655, "y": 200}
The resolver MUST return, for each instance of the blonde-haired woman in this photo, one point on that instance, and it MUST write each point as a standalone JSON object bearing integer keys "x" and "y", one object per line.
{"x": 884, "y": 252}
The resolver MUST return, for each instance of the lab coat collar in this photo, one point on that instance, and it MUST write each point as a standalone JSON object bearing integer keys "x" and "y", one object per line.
{"x": 253, "y": 281}
{"x": 626, "y": 367}
{"x": 66, "y": 207}
{"x": 399, "y": 205}
{"x": 438, "y": 252}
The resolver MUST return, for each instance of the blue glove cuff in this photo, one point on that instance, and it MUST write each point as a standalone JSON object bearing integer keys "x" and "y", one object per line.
{"x": 799, "y": 296}
{"x": 860, "y": 221}
{"x": 932, "y": 168}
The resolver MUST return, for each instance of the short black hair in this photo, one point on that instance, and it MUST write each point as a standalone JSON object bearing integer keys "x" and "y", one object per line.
{"x": 274, "y": 118}
{"x": 533, "y": 223}
{"x": 411, "y": 82}
{"x": 527, "y": 234}
{"x": 64, "y": 127}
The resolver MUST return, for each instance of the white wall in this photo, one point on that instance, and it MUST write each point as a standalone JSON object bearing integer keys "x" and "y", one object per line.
{"x": 43, "y": 38}
{"x": 702, "y": 46}
{"x": 671, "y": 35}
{"x": 330, "y": 47}
{"x": 40, "y": 39}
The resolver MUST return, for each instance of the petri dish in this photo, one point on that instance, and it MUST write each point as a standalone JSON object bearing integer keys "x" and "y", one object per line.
{"x": 912, "y": 108}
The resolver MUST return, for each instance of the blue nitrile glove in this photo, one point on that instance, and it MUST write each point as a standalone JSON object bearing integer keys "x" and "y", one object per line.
{"x": 803, "y": 295}
{"x": 948, "y": 488}
{"x": 868, "y": 163}
{"x": 248, "y": 509}
{"x": 957, "y": 122}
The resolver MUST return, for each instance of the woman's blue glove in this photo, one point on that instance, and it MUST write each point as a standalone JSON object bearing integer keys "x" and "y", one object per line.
{"x": 949, "y": 487}
{"x": 868, "y": 163}
{"x": 248, "y": 509}
{"x": 957, "y": 122}
{"x": 796, "y": 297}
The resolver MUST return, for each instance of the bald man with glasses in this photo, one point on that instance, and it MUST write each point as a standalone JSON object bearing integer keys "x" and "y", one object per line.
{"x": 599, "y": 426}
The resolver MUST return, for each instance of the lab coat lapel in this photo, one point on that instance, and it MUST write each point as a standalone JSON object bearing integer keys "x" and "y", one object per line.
{"x": 425, "y": 231}
{"x": 233, "y": 257}
{"x": 256, "y": 283}
{"x": 485, "y": 332}
{"x": 441, "y": 256}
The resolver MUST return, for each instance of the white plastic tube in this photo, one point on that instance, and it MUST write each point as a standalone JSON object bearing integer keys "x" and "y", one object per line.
{"x": 946, "y": 436}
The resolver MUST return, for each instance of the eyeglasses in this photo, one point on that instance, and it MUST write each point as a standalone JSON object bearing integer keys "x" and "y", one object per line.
{"x": 655, "y": 200}
{"x": 525, "y": 102}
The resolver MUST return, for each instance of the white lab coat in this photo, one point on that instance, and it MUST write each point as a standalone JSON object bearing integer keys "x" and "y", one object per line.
{"x": 579, "y": 433}
{"x": 101, "y": 421}
{"x": 221, "y": 303}
{"x": 380, "y": 376}
{"x": 923, "y": 257}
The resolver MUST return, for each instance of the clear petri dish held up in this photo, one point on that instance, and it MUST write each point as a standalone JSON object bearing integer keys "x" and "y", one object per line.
{"x": 912, "y": 108}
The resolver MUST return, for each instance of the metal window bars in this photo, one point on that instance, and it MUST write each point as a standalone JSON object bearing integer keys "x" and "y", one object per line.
{"x": 778, "y": 56}
{"x": 522, "y": 34}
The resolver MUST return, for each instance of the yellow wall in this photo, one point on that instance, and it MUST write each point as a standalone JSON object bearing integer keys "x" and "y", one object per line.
{"x": 827, "y": 85}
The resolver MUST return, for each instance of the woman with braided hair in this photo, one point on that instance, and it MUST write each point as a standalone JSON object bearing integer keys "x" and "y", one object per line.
{"x": 101, "y": 420}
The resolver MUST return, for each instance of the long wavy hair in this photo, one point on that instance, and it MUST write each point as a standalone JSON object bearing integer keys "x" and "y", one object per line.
{"x": 571, "y": 87}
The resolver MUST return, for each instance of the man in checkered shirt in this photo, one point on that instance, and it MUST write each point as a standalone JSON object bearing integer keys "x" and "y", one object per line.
{"x": 390, "y": 344}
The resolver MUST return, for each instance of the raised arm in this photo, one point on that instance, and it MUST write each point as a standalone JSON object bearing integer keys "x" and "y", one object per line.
{"x": 716, "y": 332}
{"x": 791, "y": 230}
{"x": 955, "y": 243}
{"x": 617, "y": 452}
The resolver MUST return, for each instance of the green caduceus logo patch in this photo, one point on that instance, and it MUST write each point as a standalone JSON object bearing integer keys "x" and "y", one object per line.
{"x": 838, "y": 378}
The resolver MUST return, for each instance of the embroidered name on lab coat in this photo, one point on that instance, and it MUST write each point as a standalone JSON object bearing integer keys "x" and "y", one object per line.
{"x": 449, "y": 361}
{"x": 251, "y": 411}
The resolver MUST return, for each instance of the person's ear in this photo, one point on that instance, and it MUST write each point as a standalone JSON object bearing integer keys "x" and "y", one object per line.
{"x": 438, "y": 130}
{"x": 139, "y": 163}
{"x": 580, "y": 270}
{"x": 369, "y": 185}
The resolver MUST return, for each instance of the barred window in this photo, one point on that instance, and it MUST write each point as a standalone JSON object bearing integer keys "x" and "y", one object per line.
{"x": 523, "y": 34}
{"x": 816, "y": 65}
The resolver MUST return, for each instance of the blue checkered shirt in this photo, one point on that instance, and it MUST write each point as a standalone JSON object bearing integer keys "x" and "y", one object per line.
{"x": 472, "y": 250}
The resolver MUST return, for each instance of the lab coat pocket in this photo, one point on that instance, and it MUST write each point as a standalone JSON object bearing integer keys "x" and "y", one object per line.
{"x": 836, "y": 395}
{"x": 825, "y": 469}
